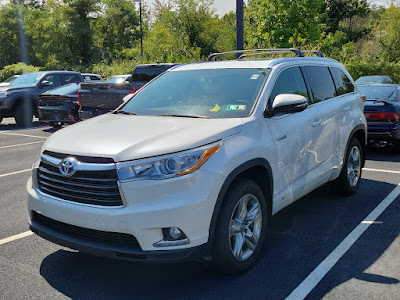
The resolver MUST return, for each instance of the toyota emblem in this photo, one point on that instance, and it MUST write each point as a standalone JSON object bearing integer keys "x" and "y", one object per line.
{"x": 68, "y": 166}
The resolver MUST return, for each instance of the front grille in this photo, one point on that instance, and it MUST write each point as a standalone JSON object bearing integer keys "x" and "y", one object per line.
{"x": 99, "y": 187}
{"x": 86, "y": 234}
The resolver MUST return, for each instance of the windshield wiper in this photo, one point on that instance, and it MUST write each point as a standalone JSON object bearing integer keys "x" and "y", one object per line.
{"x": 123, "y": 112}
{"x": 185, "y": 116}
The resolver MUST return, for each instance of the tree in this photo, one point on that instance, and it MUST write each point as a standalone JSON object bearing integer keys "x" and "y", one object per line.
{"x": 9, "y": 49}
{"x": 283, "y": 23}
{"x": 390, "y": 33}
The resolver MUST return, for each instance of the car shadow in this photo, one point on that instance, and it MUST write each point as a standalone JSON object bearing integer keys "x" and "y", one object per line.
{"x": 13, "y": 126}
{"x": 387, "y": 154}
{"x": 299, "y": 238}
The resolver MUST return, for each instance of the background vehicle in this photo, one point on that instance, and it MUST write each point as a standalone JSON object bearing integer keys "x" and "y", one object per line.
{"x": 100, "y": 98}
{"x": 197, "y": 169}
{"x": 374, "y": 79}
{"x": 20, "y": 98}
{"x": 9, "y": 80}
{"x": 60, "y": 105}
{"x": 382, "y": 111}
{"x": 92, "y": 77}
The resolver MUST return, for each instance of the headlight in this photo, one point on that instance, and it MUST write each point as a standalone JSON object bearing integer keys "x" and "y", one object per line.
{"x": 167, "y": 166}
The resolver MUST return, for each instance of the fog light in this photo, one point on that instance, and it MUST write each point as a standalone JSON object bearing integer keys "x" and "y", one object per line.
{"x": 175, "y": 233}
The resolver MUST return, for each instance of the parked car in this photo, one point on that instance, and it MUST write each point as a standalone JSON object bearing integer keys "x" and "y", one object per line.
{"x": 102, "y": 97}
{"x": 374, "y": 79}
{"x": 382, "y": 111}
{"x": 60, "y": 106}
{"x": 120, "y": 79}
{"x": 196, "y": 170}
{"x": 92, "y": 77}
{"x": 8, "y": 81}
{"x": 20, "y": 99}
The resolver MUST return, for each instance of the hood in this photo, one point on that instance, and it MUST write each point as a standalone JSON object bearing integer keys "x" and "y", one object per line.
{"x": 124, "y": 137}
{"x": 13, "y": 88}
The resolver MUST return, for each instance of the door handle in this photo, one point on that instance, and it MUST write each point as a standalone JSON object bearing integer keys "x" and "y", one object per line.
{"x": 316, "y": 123}
{"x": 346, "y": 108}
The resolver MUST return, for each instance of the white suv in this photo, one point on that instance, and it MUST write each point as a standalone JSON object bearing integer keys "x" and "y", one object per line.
{"x": 195, "y": 165}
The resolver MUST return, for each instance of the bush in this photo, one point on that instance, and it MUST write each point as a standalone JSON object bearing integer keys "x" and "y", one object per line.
{"x": 16, "y": 69}
{"x": 358, "y": 69}
{"x": 115, "y": 68}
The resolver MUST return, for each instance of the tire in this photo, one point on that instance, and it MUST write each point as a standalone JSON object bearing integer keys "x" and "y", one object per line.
{"x": 1, "y": 119}
{"x": 23, "y": 113}
{"x": 232, "y": 235}
{"x": 55, "y": 125}
{"x": 350, "y": 177}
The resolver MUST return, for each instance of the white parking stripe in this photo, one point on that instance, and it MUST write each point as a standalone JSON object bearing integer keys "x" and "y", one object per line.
{"x": 14, "y": 173}
{"x": 381, "y": 170}
{"x": 11, "y": 146}
{"x": 21, "y": 134}
{"x": 15, "y": 237}
{"x": 324, "y": 267}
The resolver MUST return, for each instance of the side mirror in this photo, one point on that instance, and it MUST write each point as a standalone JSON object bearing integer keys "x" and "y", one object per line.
{"x": 287, "y": 103}
{"x": 45, "y": 83}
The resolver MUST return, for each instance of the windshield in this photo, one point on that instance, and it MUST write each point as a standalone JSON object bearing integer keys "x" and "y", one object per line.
{"x": 379, "y": 92}
{"x": 30, "y": 79}
{"x": 12, "y": 78}
{"x": 117, "y": 79}
{"x": 218, "y": 93}
{"x": 67, "y": 89}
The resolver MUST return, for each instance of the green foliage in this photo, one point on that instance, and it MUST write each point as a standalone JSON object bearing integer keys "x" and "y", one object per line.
{"x": 283, "y": 23}
{"x": 16, "y": 69}
{"x": 117, "y": 67}
{"x": 9, "y": 47}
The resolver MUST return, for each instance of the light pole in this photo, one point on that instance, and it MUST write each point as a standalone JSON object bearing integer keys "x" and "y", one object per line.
{"x": 239, "y": 26}
{"x": 141, "y": 28}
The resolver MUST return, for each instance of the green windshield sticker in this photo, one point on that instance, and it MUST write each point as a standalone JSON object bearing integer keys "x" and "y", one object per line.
{"x": 236, "y": 107}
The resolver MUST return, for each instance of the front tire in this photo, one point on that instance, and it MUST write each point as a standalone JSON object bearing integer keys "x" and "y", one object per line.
{"x": 241, "y": 228}
{"x": 23, "y": 113}
{"x": 350, "y": 177}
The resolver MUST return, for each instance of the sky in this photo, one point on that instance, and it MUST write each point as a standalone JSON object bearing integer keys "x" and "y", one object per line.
{"x": 224, "y": 6}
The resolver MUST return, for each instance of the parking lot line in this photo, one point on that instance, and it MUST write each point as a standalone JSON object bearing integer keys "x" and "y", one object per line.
{"x": 380, "y": 170}
{"x": 308, "y": 284}
{"x": 14, "y": 173}
{"x": 15, "y": 237}
{"x": 10, "y": 146}
{"x": 21, "y": 134}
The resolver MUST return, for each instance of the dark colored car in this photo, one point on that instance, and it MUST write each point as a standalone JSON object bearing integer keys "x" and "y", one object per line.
{"x": 382, "y": 111}
{"x": 102, "y": 97}
{"x": 374, "y": 79}
{"x": 60, "y": 106}
{"x": 20, "y": 98}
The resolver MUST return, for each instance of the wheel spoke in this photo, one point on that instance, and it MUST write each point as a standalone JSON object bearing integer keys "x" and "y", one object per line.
{"x": 253, "y": 212}
{"x": 251, "y": 241}
{"x": 238, "y": 246}
{"x": 242, "y": 208}
{"x": 235, "y": 227}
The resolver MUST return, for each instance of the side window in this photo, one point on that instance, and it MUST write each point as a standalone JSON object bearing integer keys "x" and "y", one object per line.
{"x": 321, "y": 83}
{"x": 343, "y": 83}
{"x": 54, "y": 80}
{"x": 290, "y": 81}
{"x": 71, "y": 78}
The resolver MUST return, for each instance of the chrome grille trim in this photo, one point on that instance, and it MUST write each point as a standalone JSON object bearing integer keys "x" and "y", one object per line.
{"x": 94, "y": 184}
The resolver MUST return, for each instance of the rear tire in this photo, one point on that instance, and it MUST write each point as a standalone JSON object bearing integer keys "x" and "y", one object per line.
{"x": 23, "y": 113}
{"x": 350, "y": 177}
{"x": 241, "y": 228}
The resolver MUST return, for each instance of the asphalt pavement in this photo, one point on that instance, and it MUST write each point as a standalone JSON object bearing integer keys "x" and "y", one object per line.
{"x": 321, "y": 247}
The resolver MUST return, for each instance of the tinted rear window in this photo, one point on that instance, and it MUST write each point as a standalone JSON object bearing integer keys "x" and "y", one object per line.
{"x": 148, "y": 73}
{"x": 321, "y": 83}
{"x": 379, "y": 92}
{"x": 343, "y": 83}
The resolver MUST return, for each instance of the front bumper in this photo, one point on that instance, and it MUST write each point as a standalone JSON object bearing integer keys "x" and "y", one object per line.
{"x": 185, "y": 202}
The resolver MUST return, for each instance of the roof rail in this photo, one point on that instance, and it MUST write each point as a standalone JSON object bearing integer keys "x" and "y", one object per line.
{"x": 243, "y": 53}
{"x": 316, "y": 52}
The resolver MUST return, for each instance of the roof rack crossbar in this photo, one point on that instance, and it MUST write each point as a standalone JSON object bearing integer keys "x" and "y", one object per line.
{"x": 298, "y": 52}
{"x": 316, "y": 52}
